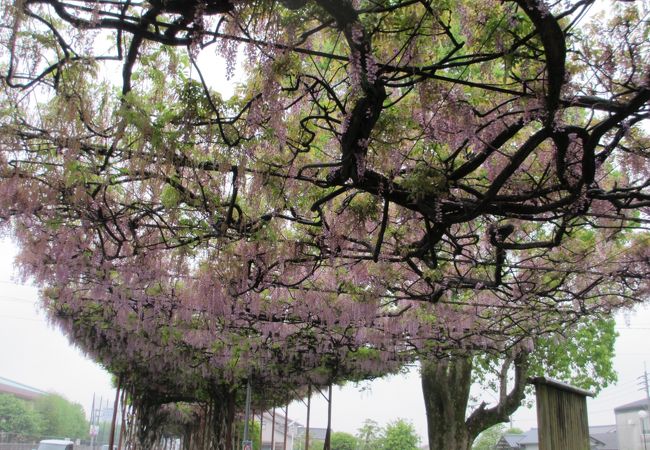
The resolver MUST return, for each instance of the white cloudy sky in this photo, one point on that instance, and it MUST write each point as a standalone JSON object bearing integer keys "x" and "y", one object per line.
{"x": 33, "y": 353}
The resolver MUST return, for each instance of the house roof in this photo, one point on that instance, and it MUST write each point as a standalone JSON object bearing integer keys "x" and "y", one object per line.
{"x": 529, "y": 437}
{"x": 609, "y": 440}
{"x": 602, "y": 429}
{"x": 561, "y": 386}
{"x": 512, "y": 439}
{"x": 279, "y": 419}
{"x": 509, "y": 439}
{"x": 603, "y": 434}
{"x": 314, "y": 433}
{"x": 634, "y": 406}
{"x": 19, "y": 390}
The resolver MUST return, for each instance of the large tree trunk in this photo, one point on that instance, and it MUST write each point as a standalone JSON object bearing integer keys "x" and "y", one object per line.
{"x": 445, "y": 387}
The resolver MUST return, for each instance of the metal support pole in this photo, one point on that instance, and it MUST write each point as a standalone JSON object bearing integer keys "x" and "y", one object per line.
{"x": 273, "y": 430}
{"x": 92, "y": 424}
{"x": 286, "y": 422}
{"x": 98, "y": 415}
{"x": 248, "y": 409}
{"x": 645, "y": 384}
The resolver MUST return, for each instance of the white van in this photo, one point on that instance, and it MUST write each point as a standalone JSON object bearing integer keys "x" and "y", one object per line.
{"x": 55, "y": 444}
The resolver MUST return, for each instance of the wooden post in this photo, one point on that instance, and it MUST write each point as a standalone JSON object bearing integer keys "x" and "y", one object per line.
{"x": 286, "y": 422}
{"x": 230, "y": 418}
{"x": 123, "y": 421}
{"x": 111, "y": 438}
{"x": 252, "y": 424}
{"x": 326, "y": 445}
{"x": 273, "y": 430}
{"x": 248, "y": 409}
{"x": 308, "y": 411}
{"x": 261, "y": 428}
{"x": 561, "y": 415}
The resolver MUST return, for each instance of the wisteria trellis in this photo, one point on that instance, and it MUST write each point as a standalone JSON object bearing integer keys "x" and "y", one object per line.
{"x": 394, "y": 180}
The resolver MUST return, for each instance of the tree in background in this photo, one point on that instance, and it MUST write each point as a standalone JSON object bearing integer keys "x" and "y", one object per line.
{"x": 399, "y": 434}
{"x": 18, "y": 417}
{"x": 369, "y": 435}
{"x": 343, "y": 441}
{"x": 61, "y": 418}
{"x": 582, "y": 357}
{"x": 488, "y": 439}
{"x": 254, "y": 434}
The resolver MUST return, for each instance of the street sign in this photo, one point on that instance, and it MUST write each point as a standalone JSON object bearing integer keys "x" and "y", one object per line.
{"x": 247, "y": 445}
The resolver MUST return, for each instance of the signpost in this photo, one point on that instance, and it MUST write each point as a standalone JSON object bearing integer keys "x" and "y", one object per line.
{"x": 561, "y": 415}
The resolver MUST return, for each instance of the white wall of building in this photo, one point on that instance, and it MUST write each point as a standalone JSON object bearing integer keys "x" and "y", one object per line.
{"x": 629, "y": 430}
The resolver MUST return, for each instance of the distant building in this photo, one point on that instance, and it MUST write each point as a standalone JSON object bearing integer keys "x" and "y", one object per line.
{"x": 530, "y": 440}
{"x": 527, "y": 441}
{"x": 633, "y": 430}
{"x": 19, "y": 390}
{"x": 316, "y": 437}
{"x": 273, "y": 437}
{"x": 607, "y": 434}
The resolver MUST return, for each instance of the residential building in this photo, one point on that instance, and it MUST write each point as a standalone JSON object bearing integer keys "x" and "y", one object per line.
{"x": 273, "y": 437}
{"x": 607, "y": 434}
{"x": 530, "y": 440}
{"x": 316, "y": 437}
{"x": 632, "y": 427}
{"x": 19, "y": 390}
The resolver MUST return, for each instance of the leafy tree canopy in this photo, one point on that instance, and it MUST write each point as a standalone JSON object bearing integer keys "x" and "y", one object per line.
{"x": 457, "y": 415}
{"x": 369, "y": 435}
{"x": 18, "y": 417}
{"x": 488, "y": 439}
{"x": 61, "y": 418}
{"x": 343, "y": 441}
{"x": 400, "y": 434}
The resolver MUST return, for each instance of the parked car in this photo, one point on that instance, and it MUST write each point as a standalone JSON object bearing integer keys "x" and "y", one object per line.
{"x": 55, "y": 444}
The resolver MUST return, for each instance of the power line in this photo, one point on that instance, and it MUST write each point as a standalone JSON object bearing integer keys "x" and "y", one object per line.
{"x": 18, "y": 300}
{"x": 644, "y": 385}
{"x": 31, "y": 319}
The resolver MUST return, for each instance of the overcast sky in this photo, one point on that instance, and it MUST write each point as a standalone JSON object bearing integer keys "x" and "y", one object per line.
{"x": 34, "y": 353}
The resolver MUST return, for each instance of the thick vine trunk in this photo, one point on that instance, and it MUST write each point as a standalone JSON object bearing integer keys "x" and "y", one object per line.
{"x": 445, "y": 386}
{"x": 203, "y": 426}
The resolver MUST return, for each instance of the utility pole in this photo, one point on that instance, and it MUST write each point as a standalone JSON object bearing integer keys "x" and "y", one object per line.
{"x": 92, "y": 424}
{"x": 644, "y": 383}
